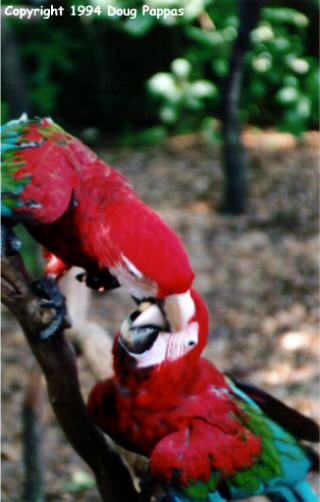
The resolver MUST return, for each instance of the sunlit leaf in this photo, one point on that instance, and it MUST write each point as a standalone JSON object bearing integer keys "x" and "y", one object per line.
{"x": 262, "y": 33}
{"x": 202, "y": 89}
{"x": 280, "y": 15}
{"x": 303, "y": 107}
{"x": 287, "y": 95}
{"x": 212, "y": 39}
{"x": 299, "y": 65}
{"x": 163, "y": 84}
{"x": 181, "y": 68}
{"x": 262, "y": 63}
{"x": 169, "y": 114}
{"x": 193, "y": 9}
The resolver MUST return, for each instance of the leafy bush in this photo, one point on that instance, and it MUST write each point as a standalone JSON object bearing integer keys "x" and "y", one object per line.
{"x": 281, "y": 85}
{"x": 123, "y": 73}
{"x": 182, "y": 99}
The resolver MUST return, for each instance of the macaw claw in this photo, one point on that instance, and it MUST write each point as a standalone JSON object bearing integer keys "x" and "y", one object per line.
{"x": 53, "y": 311}
{"x": 99, "y": 281}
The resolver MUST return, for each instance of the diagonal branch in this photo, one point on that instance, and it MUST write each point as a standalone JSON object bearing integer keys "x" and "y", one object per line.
{"x": 57, "y": 360}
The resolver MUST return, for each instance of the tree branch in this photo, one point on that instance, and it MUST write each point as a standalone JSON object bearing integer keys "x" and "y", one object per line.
{"x": 57, "y": 360}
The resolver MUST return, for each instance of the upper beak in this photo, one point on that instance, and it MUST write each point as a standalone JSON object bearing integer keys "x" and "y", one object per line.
{"x": 177, "y": 310}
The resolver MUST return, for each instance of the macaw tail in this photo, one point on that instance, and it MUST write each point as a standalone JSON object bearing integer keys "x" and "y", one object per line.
{"x": 301, "y": 492}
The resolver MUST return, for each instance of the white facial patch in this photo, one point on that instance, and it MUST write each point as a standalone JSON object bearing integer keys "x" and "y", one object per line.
{"x": 150, "y": 324}
{"x": 168, "y": 346}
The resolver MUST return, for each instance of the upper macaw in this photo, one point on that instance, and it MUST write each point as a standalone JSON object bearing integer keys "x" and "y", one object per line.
{"x": 86, "y": 214}
{"x": 209, "y": 438}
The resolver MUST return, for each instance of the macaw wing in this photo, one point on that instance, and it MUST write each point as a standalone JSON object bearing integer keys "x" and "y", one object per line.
{"x": 198, "y": 459}
{"x": 258, "y": 456}
{"x": 283, "y": 460}
{"x": 297, "y": 424}
{"x": 40, "y": 170}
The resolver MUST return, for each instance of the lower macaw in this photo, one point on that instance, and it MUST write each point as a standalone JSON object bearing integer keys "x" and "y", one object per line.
{"x": 85, "y": 213}
{"x": 209, "y": 438}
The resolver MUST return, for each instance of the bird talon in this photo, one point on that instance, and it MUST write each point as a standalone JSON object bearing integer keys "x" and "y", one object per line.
{"x": 54, "y": 326}
{"x": 99, "y": 281}
{"x": 46, "y": 303}
{"x": 51, "y": 298}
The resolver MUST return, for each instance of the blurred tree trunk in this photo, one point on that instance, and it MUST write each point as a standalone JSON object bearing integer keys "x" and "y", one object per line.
{"x": 235, "y": 162}
{"x": 32, "y": 438}
{"x": 13, "y": 77}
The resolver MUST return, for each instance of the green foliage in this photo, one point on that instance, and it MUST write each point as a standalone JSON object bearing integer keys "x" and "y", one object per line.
{"x": 281, "y": 84}
{"x": 283, "y": 76}
{"x": 150, "y": 136}
{"x": 127, "y": 72}
{"x": 180, "y": 94}
{"x": 285, "y": 15}
{"x": 48, "y": 51}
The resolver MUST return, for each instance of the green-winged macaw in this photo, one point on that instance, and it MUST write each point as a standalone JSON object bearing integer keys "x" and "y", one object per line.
{"x": 209, "y": 438}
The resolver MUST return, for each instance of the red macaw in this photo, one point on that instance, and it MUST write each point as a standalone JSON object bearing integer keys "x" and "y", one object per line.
{"x": 86, "y": 214}
{"x": 209, "y": 438}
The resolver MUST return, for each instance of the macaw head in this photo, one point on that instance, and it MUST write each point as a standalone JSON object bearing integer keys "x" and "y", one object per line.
{"x": 161, "y": 333}
{"x": 145, "y": 255}
{"x": 155, "y": 355}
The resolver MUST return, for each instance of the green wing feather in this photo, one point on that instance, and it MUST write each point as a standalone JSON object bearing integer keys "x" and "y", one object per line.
{"x": 40, "y": 169}
{"x": 10, "y": 164}
{"x": 283, "y": 461}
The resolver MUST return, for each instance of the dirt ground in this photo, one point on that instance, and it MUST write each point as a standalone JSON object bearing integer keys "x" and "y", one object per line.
{"x": 258, "y": 274}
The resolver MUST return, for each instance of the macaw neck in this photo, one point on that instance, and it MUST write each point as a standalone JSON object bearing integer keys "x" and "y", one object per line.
{"x": 164, "y": 385}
